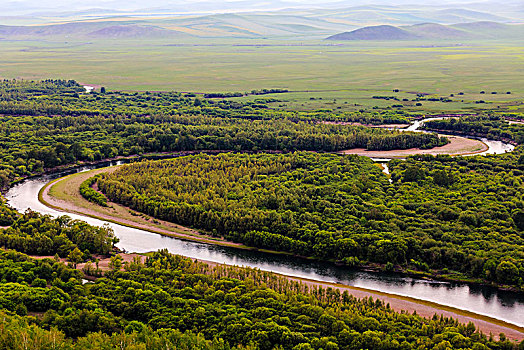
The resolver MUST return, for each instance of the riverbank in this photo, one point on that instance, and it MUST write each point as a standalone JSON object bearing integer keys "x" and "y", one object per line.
{"x": 485, "y": 324}
{"x": 458, "y": 146}
{"x": 380, "y": 126}
{"x": 475, "y": 135}
{"x": 68, "y": 186}
{"x": 63, "y": 195}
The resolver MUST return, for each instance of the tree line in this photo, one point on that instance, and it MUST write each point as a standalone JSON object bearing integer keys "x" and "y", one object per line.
{"x": 91, "y": 194}
{"x": 33, "y": 233}
{"x": 44, "y": 125}
{"x": 172, "y": 301}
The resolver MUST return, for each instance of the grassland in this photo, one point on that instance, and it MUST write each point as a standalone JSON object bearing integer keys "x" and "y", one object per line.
{"x": 317, "y": 72}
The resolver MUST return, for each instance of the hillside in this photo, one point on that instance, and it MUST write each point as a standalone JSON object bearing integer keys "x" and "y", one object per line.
{"x": 382, "y": 32}
{"x": 83, "y": 30}
{"x": 131, "y": 31}
{"x": 283, "y": 21}
{"x": 437, "y": 31}
{"x": 424, "y": 31}
{"x": 492, "y": 30}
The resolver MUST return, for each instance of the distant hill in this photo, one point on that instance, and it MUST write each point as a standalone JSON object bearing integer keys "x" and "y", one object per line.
{"x": 460, "y": 15}
{"x": 101, "y": 30}
{"x": 492, "y": 30}
{"x": 217, "y": 25}
{"x": 383, "y": 32}
{"x": 423, "y": 31}
{"x": 436, "y": 31}
{"x": 398, "y": 24}
{"x": 482, "y": 25}
{"x": 131, "y": 31}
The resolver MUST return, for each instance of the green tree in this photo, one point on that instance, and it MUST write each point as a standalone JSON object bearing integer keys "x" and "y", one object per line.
{"x": 75, "y": 256}
{"x": 413, "y": 173}
{"x": 518, "y": 219}
{"x": 507, "y": 272}
{"x": 115, "y": 262}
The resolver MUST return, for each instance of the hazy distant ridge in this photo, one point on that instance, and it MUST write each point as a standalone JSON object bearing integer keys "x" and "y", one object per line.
{"x": 262, "y": 19}
{"x": 423, "y": 31}
{"x": 382, "y": 32}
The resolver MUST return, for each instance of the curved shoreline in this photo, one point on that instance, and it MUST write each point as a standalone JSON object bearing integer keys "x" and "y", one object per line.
{"x": 486, "y": 324}
{"x": 424, "y": 308}
{"x": 45, "y": 198}
{"x": 458, "y": 146}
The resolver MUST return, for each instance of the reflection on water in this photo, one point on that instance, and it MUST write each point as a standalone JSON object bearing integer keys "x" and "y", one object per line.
{"x": 503, "y": 305}
{"x": 495, "y": 147}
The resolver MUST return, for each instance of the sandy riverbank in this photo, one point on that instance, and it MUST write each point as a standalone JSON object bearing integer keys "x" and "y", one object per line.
{"x": 62, "y": 195}
{"x": 457, "y": 146}
{"x": 381, "y": 126}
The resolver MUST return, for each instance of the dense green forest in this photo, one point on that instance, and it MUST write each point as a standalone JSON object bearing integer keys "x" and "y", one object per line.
{"x": 445, "y": 215}
{"x": 172, "y": 302}
{"x": 458, "y": 214}
{"x": 47, "y": 124}
{"x": 32, "y": 233}
{"x": 493, "y": 127}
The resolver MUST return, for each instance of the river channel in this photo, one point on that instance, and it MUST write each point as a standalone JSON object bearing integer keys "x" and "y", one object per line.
{"x": 503, "y": 305}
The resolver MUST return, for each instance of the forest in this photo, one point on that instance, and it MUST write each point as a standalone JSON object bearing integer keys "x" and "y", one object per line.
{"x": 172, "y": 302}
{"x": 32, "y": 233}
{"x": 443, "y": 213}
{"x": 51, "y": 123}
{"x": 440, "y": 215}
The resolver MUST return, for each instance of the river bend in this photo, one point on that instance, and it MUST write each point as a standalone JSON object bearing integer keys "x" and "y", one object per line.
{"x": 502, "y": 305}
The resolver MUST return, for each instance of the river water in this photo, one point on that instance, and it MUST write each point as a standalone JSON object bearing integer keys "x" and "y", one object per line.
{"x": 503, "y": 305}
{"x": 494, "y": 147}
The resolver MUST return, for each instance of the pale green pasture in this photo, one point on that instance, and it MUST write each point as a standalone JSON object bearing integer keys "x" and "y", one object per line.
{"x": 349, "y": 72}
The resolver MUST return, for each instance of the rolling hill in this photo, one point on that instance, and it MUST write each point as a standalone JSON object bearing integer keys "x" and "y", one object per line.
{"x": 84, "y": 30}
{"x": 382, "y": 32}
{"x": 424, "y": 31}
{"x": 377, "y": 22}
{"x": 131, "y": 31}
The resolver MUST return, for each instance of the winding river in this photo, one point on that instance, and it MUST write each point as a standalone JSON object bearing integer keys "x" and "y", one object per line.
{"x": 502, "y": 305}
{"x": 494, "y": 147}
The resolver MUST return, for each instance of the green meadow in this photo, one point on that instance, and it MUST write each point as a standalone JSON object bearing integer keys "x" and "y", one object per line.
{"x": 320, "y": 74}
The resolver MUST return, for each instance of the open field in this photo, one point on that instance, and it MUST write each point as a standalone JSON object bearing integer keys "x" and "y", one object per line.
{"x": 317, "y": 72}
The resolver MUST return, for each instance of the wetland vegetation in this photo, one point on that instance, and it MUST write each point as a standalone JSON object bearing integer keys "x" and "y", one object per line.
{"x": 439, "y": 215}
{"x": 165, "y": 301}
